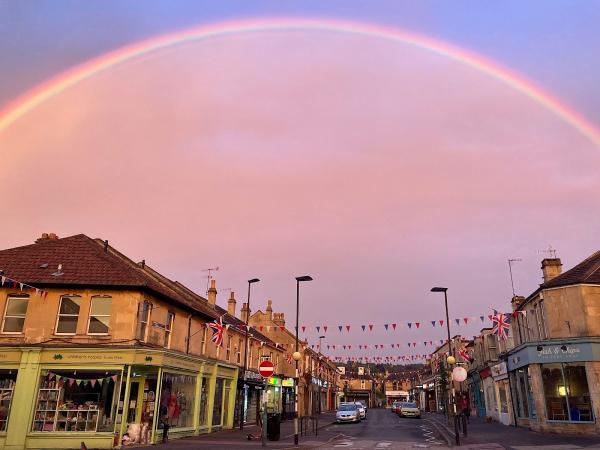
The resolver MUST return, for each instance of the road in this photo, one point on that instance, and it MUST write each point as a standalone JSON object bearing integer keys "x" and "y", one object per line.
{"x": 383, "y": 430}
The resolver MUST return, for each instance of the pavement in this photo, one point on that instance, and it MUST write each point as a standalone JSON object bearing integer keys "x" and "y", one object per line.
{"x": 482, "y": 435}
{"x": 237, "y": 439}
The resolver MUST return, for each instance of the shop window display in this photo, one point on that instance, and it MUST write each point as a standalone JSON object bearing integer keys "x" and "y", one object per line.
{"x": 203, "y": 401}
{"x": 7, "y": 385}
{"x": 218, "y": 404}
{"x": 177, "y": 400}
{"x": 76, "y": 401}
{"x": 566, "y": 392}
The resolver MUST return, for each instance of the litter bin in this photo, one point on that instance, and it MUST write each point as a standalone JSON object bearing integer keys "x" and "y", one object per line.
{"x": 273, "y": 426}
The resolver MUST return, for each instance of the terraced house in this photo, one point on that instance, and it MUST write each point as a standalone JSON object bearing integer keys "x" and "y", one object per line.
{"x": 92, "y": 343}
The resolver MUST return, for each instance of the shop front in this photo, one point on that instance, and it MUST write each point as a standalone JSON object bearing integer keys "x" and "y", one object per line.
{"x": 251, "y": 391}
{"x": 489, "y": 392}
{"x": 273, "y": 395}
{"x": 396, "y": 396}
{"x": 551, "y": 383}
{"x": 57, "y": 398}
{"x": 288, "y": 399}
{"x": 502, "y": 393}
{"x": 428, "y": 396}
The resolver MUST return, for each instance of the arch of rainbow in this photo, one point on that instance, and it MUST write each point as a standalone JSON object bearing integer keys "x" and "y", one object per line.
{"x": 82, "y": 72}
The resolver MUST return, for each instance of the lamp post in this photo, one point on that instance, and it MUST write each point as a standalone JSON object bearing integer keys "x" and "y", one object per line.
{"x": 297, "y": 355}
{"x": 242, "y": 409}
{"x": 450, "y": 361}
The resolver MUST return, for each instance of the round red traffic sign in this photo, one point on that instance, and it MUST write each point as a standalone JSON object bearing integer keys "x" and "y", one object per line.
{"x": 266, "y": 368}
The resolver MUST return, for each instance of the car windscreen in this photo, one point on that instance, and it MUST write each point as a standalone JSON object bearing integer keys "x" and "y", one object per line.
{"x": 347, "y": 408}
{"x": 409, "y": 405}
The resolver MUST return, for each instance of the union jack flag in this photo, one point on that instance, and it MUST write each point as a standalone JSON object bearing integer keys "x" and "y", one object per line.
{"x": 218, "y": 329}
{"x": 464, "y": 354}
{"x": 288, "y": 358}
{"x": 501, "y": 325}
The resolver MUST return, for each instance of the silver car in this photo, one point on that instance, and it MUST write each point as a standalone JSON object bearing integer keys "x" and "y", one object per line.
{"x": 347, "y": 412}
{"x": 362, "y": 409}
{"x": 409, "y": 409}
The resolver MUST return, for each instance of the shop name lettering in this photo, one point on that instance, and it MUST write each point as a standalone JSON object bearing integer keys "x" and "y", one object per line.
{"x": 555, "y": 351}
{"x": 95, "y": 357}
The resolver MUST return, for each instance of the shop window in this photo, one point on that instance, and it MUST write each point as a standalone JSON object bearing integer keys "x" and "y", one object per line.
{"x": 7, "y": 385}
{"x": 522, "y": 393}
{"x": 217, "y": 418}
{"x": 14, "y": 314}
{"x": 566, "y": 392}
{"x": 169, "y": 328}
{"x": 144, "y": 309}
{"x": 68, "y": 315}
{"x": 99, "y": 315}
{"x": 76, "y": 401}
{"x": 203, "y": 401}
{"x": 177, "y": 399}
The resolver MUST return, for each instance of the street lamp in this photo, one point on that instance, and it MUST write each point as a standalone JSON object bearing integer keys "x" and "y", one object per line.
{"x": 450, "y": 360}
{"x": 297, "y": 354}
{"x": 242, "y": 409}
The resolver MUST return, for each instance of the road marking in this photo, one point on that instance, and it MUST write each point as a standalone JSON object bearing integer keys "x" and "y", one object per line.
{"x": 383, "y": 445}
{"x": 344, "y": 444}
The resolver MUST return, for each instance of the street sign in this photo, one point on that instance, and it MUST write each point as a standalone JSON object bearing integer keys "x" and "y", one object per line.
{"x": 266, "y": 369}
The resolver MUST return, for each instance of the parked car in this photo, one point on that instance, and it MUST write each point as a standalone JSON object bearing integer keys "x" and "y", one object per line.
{"x": 409, "y": 409}
{"x": 347, "y": 412}
{"x": 395, "y": 406}
{"x": 362, "y": 409}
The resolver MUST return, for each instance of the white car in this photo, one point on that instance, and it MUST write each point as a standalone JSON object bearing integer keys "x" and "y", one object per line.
{"x": 362, "y": 409}
{"x": 347, "y": 412}
{"x": 409, "y": 409}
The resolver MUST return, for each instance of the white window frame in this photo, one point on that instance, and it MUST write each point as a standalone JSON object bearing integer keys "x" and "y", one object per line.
{"x": 203, "y": 342}
{"x": 169, "y": 322}
{"x": 8, "y": 299}
{"x": 228, "y": 350}
{"x": 58, "y": 316}
{"x": 90, "y": 315}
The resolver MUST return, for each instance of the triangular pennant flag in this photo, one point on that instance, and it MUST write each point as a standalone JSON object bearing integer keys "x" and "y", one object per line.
{"x": 457, "y": 321}
{"x": 376, "y": 345}
{"x": 466, "y": 319}
{"x": 385, "y": 325}
{"x": 260, "y": 327}
{"x": 21, "y": 285}
{"x": 363, "y": 327}
{"x": 303, "y": 329}
{"x": 408, "y": 344}
{"x": 490, "y": 316}
{"x": 100, "y": 381}
{"x": 340, "y": 328}
{"x": 344, "y": 347}
{"x": 482, "y": 318}
{"x": 318, "y": 329}
{"x": 114, "y": 378}
{"x": 348, "y": 328}
{"x": 325, "y": 328}
{"x": 409, "y": 325}
{"x": 441, "y": 323}
{"x": 71, "y": 381}
{"x": 93, "y": 382}
{"x": 394, "y": 326}
{"x": 425, "y": 343}
{"x": 433, "y": 323}
{"x": 370, "y": 327}
{"x": 417, "y": 324}
{"x": 2, "y": 279}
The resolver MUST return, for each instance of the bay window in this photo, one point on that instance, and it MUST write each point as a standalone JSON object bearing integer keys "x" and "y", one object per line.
{"x": 566, "y": 392}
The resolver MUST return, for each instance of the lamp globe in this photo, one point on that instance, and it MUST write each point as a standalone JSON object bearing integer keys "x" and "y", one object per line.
{"x": 297, "y": 356}
{"x": 451, "y": 360}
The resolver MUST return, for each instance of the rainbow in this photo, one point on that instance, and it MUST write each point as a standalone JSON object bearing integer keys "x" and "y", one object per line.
{"x": 60, "y": 83}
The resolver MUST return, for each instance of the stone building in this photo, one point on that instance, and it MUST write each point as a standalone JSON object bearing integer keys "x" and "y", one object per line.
{"x": 397, "y": 387}
{"x": 359, "y": 384}
{"x": 554, "y": 368}
{"x": 92, "y": 343}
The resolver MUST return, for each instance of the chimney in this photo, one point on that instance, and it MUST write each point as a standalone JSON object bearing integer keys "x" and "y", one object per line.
{"x": 269, "y": 310}
{"x": 244, "y": 312}
{"x": 212, "y": 294}
{"x": 279, "y": 319}
{"x": 551, "y": 268}
{"x": 47, "y": 237}
{"x": 231, "y": 304}
{"x": 517, "y": 301}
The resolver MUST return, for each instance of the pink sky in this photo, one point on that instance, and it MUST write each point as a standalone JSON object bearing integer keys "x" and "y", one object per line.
{"x": 378, "y": 168}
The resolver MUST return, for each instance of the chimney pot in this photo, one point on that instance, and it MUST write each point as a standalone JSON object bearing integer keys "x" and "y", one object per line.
{"x": 244, "y": 312}
{"x": 212, "y": 294}
{"x": 269, "y": 310}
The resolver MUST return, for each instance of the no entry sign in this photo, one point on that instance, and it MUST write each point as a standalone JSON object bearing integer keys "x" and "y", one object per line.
{"x": 266, "y": 369}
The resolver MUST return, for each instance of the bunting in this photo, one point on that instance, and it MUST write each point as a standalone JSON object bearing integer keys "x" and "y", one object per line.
{"x": 23, "y": 287}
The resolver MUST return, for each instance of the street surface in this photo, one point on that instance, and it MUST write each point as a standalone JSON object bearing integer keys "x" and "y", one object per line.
{"x": 386, "y": 431}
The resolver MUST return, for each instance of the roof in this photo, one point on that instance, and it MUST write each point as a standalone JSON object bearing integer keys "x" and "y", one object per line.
{"x": 587, "y": 271}
{"x": 90, "y": 262}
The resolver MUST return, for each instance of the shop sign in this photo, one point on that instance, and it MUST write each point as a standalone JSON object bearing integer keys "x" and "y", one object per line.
{"x": 561, "y": 352}
{"x": 181, "y": 363}
{"x": 274, "y": 381}
{"x": 287, "y": 382}
{"x": 92, "y": 358}
{"x": 250, "y": 375}
{"x": 396, "y": 393}
{"x": 7, "y": 357}
{"x": 499, "y": 370}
